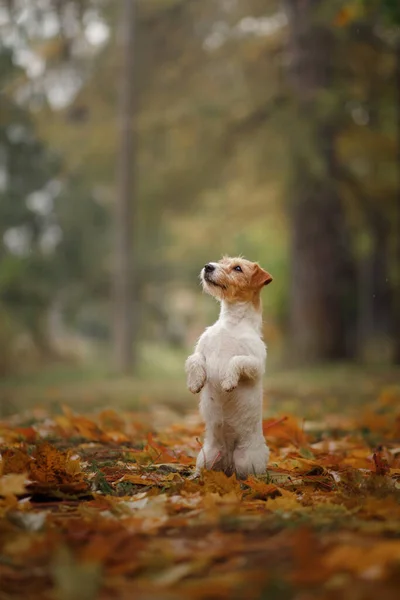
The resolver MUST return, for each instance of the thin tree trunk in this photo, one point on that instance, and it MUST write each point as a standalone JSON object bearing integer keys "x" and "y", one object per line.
{"x": 322, "y": 269}
{"x": 396, "y": 294}
{"x": 123, "y": 285}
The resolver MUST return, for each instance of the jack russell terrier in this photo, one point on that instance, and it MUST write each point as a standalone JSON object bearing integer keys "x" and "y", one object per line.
{"x": 227, "y": 366}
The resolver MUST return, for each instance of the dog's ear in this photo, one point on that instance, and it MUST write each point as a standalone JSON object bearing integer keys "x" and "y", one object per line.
{"x": 261, "y": 277}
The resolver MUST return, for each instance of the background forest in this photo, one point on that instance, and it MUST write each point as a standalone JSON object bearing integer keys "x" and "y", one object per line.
{"x": 139, "y": 140}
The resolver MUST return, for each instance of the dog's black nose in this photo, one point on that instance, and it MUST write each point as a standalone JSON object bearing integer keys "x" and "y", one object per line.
{"x": 209, "y": 268}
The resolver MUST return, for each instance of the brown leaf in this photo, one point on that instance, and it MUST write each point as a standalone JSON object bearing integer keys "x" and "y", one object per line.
{"x": 14, "y": 460}
{"x": 56, "y": 468}
{"x": 381, "y": 464}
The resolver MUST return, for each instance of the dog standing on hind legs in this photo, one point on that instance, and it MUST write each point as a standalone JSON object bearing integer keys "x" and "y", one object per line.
{"x": 227, "y": 367}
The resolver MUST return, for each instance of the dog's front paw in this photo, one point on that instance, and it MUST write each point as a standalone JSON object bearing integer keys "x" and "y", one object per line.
{"x": 196, "y": 381}
{"x": 196, "y": 378}
{"x": 196, "y": 374}
{"x": 230, "y": 381}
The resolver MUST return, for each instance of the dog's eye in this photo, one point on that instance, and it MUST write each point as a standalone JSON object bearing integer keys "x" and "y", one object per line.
{"x": 239, "y": 269}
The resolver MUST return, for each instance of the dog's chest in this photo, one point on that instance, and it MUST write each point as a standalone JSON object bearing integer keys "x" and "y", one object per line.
{"x": 223, "y": 343}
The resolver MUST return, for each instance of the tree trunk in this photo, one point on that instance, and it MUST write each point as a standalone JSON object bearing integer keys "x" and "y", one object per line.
{"x": 374, "y": 290}
{"x": 396, "y": 291}
{"x": 123, "y": 284}
{"x": 322, "y": 268}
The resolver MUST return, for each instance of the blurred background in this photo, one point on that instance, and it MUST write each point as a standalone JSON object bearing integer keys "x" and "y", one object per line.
{"x": 140, "y": 139}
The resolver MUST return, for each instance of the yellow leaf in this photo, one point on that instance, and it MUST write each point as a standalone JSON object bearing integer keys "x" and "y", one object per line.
{"x": 219, "y": 483}
{"x": 361, "y": 559}
{"x": 12, "y": 484}
{"x": 285, "y": 503}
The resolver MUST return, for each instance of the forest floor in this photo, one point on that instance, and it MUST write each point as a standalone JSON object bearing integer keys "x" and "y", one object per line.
{"x": 97, "y": 498}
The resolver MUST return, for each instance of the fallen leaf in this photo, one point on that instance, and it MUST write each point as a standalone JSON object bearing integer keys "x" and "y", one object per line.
{"x": 13, "y": 484}
{"x": 365, "y": 560}
{"x": 286, "y": 429}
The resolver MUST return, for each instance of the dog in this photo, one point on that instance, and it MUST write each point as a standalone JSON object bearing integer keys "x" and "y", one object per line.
{"x": 227, "y": 367}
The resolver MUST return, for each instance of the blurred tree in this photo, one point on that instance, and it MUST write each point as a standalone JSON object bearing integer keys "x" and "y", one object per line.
{"x": 26, "y": 171}
{"x": 391, "y": 12}
{"x": 51, "y": 228}
{"x": 374, "y": 47}
{"x": 322, "y": 266}
{"x": 124, "y": 306}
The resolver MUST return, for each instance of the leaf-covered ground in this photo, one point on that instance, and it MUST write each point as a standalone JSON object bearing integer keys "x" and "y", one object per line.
{"x": 105, "y": 506}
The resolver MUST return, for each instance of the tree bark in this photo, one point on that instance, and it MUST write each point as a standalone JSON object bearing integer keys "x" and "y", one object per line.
{"x": 123, "y": 275}
{"x": 322, "y": 275}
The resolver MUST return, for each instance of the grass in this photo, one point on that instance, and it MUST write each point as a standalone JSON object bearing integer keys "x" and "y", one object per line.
{"x": 161, "y": 380}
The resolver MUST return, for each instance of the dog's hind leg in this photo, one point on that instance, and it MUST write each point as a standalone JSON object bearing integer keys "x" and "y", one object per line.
{"x": 251, "y": 459}
{"x": 210, "y": 457}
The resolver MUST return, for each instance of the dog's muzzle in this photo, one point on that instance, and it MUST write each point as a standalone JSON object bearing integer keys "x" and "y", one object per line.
{"x": 207, "y": 272}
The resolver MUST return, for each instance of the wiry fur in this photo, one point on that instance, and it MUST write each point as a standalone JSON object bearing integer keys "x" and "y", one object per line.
{"x": 227, "y": 366}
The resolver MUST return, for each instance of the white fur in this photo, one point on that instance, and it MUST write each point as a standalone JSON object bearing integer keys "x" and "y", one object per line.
{"x": 228, "y": 365}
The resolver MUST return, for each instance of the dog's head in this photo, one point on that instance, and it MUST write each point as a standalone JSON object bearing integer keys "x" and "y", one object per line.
{"x": 234, "y": 279}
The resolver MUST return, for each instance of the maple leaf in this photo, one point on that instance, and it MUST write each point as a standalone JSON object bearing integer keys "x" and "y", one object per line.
{"x": 219, "y": 483}
{"x": 160, "y": 454}
{"x": 286, "y": 503}
{"x": 261, "y": 490}
{"x": 54, "y": 468}
{"x": 285, "y": 429}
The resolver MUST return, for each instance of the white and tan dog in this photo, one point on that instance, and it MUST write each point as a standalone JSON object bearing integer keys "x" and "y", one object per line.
{"x": 227, "y": 366}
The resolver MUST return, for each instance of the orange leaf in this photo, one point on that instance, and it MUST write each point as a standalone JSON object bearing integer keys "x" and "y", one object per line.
{"x": 262, "y": 490}
{"x": 27, "y": 432}
{"x": 54, "y": 466}
{"x": 138, "y": 479}
{"x": 14, "y": 460}
{"x": 286, "y": 429}
{"x": 360, "y": 559}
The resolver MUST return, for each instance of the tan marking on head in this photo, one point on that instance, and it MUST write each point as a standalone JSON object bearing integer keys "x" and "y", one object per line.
{"x": 236, "y": 280}
{"x": 261, "y": 277}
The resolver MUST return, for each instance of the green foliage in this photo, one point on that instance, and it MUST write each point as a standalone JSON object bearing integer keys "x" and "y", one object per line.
{"x": 390, "y": 9}
{"x": 37, "y": 202}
